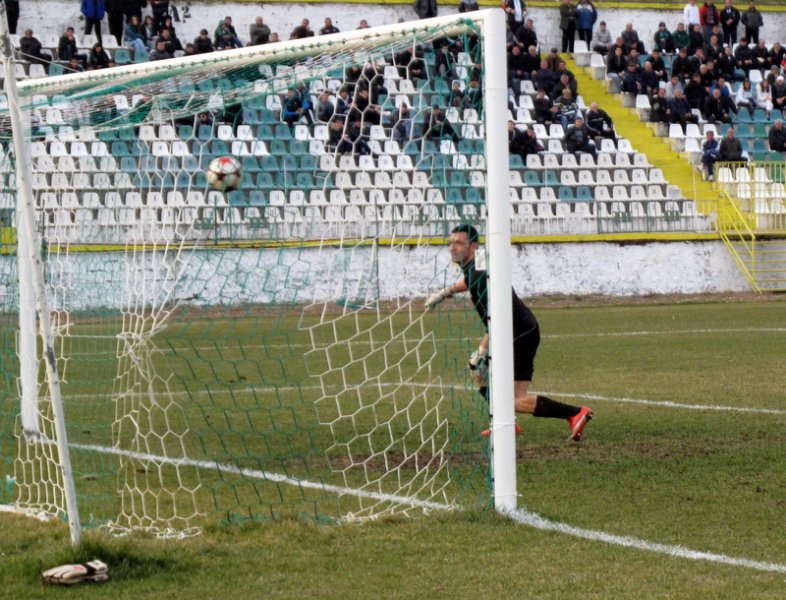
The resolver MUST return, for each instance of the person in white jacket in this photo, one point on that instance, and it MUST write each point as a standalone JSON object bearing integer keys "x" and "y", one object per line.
{"x": 764, "y": 97}
{"x": 746, "y": 97}
{"x": 690, "y": 15}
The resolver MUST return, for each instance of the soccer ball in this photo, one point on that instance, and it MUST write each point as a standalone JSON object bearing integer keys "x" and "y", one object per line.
{"x": 224, "y": 173}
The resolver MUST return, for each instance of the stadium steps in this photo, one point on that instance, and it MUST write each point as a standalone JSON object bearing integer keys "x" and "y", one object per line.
{"x": 677, "y": 169}
{"x": 766, "y": 265}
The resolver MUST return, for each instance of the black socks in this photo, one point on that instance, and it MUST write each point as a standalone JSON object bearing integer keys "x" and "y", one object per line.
{"x": 546, "y": 407}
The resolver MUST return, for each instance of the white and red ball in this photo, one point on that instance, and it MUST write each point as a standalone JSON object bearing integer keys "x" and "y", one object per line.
{"x": 224, "y": 173}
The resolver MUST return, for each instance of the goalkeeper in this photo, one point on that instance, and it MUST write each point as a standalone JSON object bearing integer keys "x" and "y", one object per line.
{"x": 464, "y": 241}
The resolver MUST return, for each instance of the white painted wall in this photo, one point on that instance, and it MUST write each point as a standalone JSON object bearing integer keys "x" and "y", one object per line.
{"x": 51, "y": 17}
{"x": 306, "y": 275}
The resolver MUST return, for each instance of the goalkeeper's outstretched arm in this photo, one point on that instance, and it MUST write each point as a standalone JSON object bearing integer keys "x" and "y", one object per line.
{"x": 448, "y": 292}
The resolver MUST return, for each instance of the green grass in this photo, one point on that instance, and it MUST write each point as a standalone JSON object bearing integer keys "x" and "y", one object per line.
{"x": 705, "y": 480}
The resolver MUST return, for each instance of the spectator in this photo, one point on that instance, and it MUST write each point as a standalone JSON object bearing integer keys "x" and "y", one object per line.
{"x": 515, "y": 10}
{"x": 226, "y": 36}
{"x": 438, "y": 125}
{"x": 325, "y": 107}
{"x": 778, "y": 53}
{"x": 710, "y": 153}
{"x": 160, "y": 9}
{"x": 516, "y": 140}
{"x": 709, "y": 18}
{"x": 171, "y": 44}
{"x": 672, "y": 85}
{"x": 695, "y": 92}
{"x": 93, "y": 11}
{"x": 531, "y": 62}
{"x": 631, "y": 80}
{"x": 517, "y": 70}
{"x": 616, "y": 67}
{"x": 545, "y": 111}
{"x": 764, "y": 97}
{"x": 777, "y": 137}
{"x": 135, "y": 35}
{"x": 363, "y": 24}
{"x": 343, "y": 101}
{"x": 553, "y": 59}
{"x": 67, "y": 48}
{"x": 744, "y": 56}
{"x": 160, "y": 52}
{"x": 75, "y": 65}
{"x": 468, "y": 6}
{"x": 329, "y": 27}
{"x": 601, "y": 40}
{"x": 648, "y": 80}
{"x": 727, "y": 65}
{"x": 690, "y": 15}
{"x": 779, "y": 93}
{"x": 731, "y": 148}
{"x": 258, "y": 32}
{"x": 599, "y": 120}
{"x": 567, "y": 109}
{"x": 30, "y": 48}
{"x": 631, "y": 38}
{"x": 662, "y": 39}
{"x": 402, "y": 123}
{"x": 545, "y": 78}
{"x": 680, "y": 37}
{"x": 12, "y": 14}
{"x": 98, "y": 58}
{"x": 274, "y": 39}
{"x": 696, "y": 39}
{"x": 296, "y": 107}
{"x": 115, "y": 17}
{"x": 170, "y": 26}
{"x": 716, "y": 110}
{"x": 567, "y": 24}
{"x": 761, "y": 55}
{"x": 362, "y": 109}
{"x": 151, "y": 31}
{"x": 563, "y": 84}
{"x": 659, "y": 106}
{"x": 658, "y": 64}
{"x": 577, "y": 138}
{"x": 713, "y": 49}
{"x": 189, "y": 50}
{"x": 526, "y": 35}
{"x": 425, "y": 9}
{"x": 531, "y": 144}
{"x": 679, "y": 110}
{"x": 729, "y": 18}
{"x": 752, "y": 21}
{"x": 746, "y": 97}
{"x": 586, "y": 15}
{"x": 202, "y": 43}
{"x": 302, "y": 31}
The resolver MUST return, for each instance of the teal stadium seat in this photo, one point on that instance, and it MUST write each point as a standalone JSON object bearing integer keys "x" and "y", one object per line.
{"x": 122, "y": 56}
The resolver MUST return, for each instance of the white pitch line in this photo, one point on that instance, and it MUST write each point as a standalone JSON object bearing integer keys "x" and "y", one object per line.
{"x": 670, "y": 404}
{"x": 266, "y": 476}
{"x": 530, "y": 519}
{"x": 667, "y": 332}
{"x": 520, "y": 516}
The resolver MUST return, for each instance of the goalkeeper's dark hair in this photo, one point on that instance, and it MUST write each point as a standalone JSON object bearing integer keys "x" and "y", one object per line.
{"x": 472, "y": 233}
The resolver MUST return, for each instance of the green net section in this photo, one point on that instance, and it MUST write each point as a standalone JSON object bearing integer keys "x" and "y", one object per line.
{"x": 261, "y": 352}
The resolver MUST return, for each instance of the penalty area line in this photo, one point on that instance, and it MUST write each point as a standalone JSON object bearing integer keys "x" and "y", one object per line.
{"x": 530, "y": 519}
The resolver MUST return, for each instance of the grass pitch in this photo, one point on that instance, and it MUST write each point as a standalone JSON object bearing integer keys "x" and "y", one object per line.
{"x": 687, "y": 450}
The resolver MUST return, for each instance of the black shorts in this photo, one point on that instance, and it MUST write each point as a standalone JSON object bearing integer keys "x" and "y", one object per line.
{"x": 525, "y": 347}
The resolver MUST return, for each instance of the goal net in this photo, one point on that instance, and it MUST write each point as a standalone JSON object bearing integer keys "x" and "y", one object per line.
{"x": 257, "y": 353}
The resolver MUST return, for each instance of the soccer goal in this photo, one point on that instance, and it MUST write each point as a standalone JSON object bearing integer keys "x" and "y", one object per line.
{"x": 173, "y": 354}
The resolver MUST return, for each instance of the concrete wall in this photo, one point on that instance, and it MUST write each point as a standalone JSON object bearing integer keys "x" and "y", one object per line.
{"x": 283, "y": 18}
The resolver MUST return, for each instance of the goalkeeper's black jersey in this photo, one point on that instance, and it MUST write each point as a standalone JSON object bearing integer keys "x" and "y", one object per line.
{"x": 477, "y": 284}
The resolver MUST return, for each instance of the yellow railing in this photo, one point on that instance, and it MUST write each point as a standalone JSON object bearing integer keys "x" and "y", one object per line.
{"x": 736, "y": 231}
{"x": 759, "y": 191}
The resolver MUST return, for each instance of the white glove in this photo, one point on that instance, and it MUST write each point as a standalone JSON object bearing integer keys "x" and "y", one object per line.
{"x": 438, "y": 297}
{"x": 95, "y": 570}
{"x": 478, "y": 358}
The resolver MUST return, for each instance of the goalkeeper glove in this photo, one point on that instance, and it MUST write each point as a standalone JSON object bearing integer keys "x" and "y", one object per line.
{"x": 438, "y": 297}
{"x": 95, "y": 570}
{"x": 478, "y": 358}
